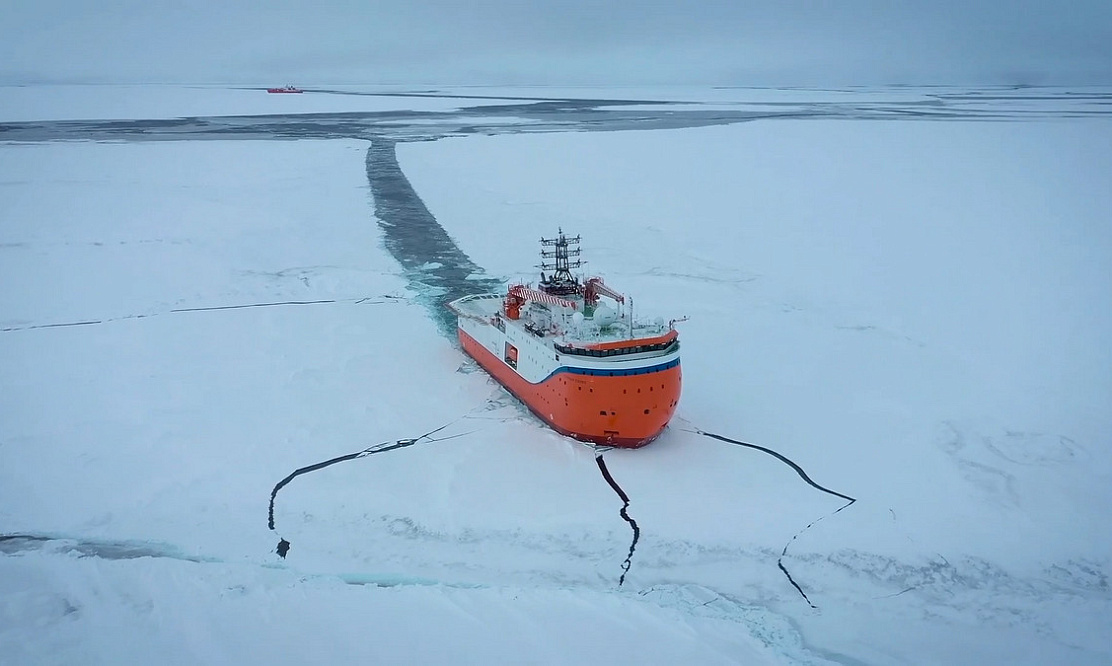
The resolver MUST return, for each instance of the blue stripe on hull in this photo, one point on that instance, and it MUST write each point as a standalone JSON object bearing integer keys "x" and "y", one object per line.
{"x": 596, "y": 372}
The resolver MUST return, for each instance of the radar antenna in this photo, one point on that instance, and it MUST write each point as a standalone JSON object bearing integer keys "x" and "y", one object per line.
{"x": 559, "y": 260}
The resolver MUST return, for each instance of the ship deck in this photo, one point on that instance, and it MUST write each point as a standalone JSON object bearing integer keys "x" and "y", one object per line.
{"x": 483, "y": 307}
{"x": 478, "y": 306}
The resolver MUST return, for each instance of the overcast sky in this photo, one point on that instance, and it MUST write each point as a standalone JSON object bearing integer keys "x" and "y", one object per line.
{"x": 739, "y": 42}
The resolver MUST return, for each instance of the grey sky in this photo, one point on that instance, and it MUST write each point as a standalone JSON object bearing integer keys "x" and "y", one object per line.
{"x": 788, "y": 42}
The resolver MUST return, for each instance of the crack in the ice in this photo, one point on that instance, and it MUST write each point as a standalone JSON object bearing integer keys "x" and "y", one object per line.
{"x": 62, "y": 325}
{"x": 283, "y": 544}
{"x": 803, "y": 475}
{"x": 254, "y": 305}
{"x": 781, "y": 458}
{"x": 903, "y": 591}
{"x": 624, "y": 514}
{"x": 544, "y": 115}
{"x": 356, "y": 301}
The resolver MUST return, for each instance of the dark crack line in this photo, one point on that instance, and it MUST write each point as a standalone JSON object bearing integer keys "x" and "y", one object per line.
{"x": 625, "y": 516}
{"x": 283, "y": 544}
{"x": 780, "y": 564}
{"x": 62, "y": 325}
{"x": 781, "y": 458}
{"x": 803, "y": 475}
{"x": 356, "y": 301}
{"x": 253, "y": 305}
{"x": 903, "y": 591}
{"x": 784, "y": 552}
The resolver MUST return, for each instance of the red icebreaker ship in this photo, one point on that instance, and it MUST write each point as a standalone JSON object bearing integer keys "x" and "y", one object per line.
{"x": 581, "y": 364}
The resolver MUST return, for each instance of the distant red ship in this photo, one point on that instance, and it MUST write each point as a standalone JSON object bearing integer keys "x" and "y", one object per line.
{"x": 287, "y": 89}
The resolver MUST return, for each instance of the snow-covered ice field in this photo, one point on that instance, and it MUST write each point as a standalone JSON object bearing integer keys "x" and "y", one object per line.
{"x": 916, "y": 312}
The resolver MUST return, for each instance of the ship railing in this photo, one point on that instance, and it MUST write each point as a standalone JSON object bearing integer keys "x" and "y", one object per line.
{"x": 617, "y": 332}
{"x": 467, "y": 306}
{"x": 658, "y": 349}
{"x": 473, "y": 298}
{"x": 476, "y": 297}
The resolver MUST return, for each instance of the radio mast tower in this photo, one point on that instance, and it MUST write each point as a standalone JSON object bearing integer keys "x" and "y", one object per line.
{"x": 559, "y": 260}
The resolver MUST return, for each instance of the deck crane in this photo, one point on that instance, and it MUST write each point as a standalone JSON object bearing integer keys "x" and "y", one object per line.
{"x": 595, "y": 287}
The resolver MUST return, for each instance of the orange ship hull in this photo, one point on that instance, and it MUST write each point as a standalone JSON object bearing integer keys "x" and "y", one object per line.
{"x": 614, "y": 408}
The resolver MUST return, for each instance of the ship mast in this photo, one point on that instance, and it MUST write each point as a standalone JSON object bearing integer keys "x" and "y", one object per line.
{"x": 559, "y": 261}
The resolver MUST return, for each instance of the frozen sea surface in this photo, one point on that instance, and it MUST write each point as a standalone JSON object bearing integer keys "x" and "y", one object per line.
{"x": 900, "y": 291}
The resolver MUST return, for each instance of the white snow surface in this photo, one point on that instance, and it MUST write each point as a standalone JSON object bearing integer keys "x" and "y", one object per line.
{"x": 916, "y": 313}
